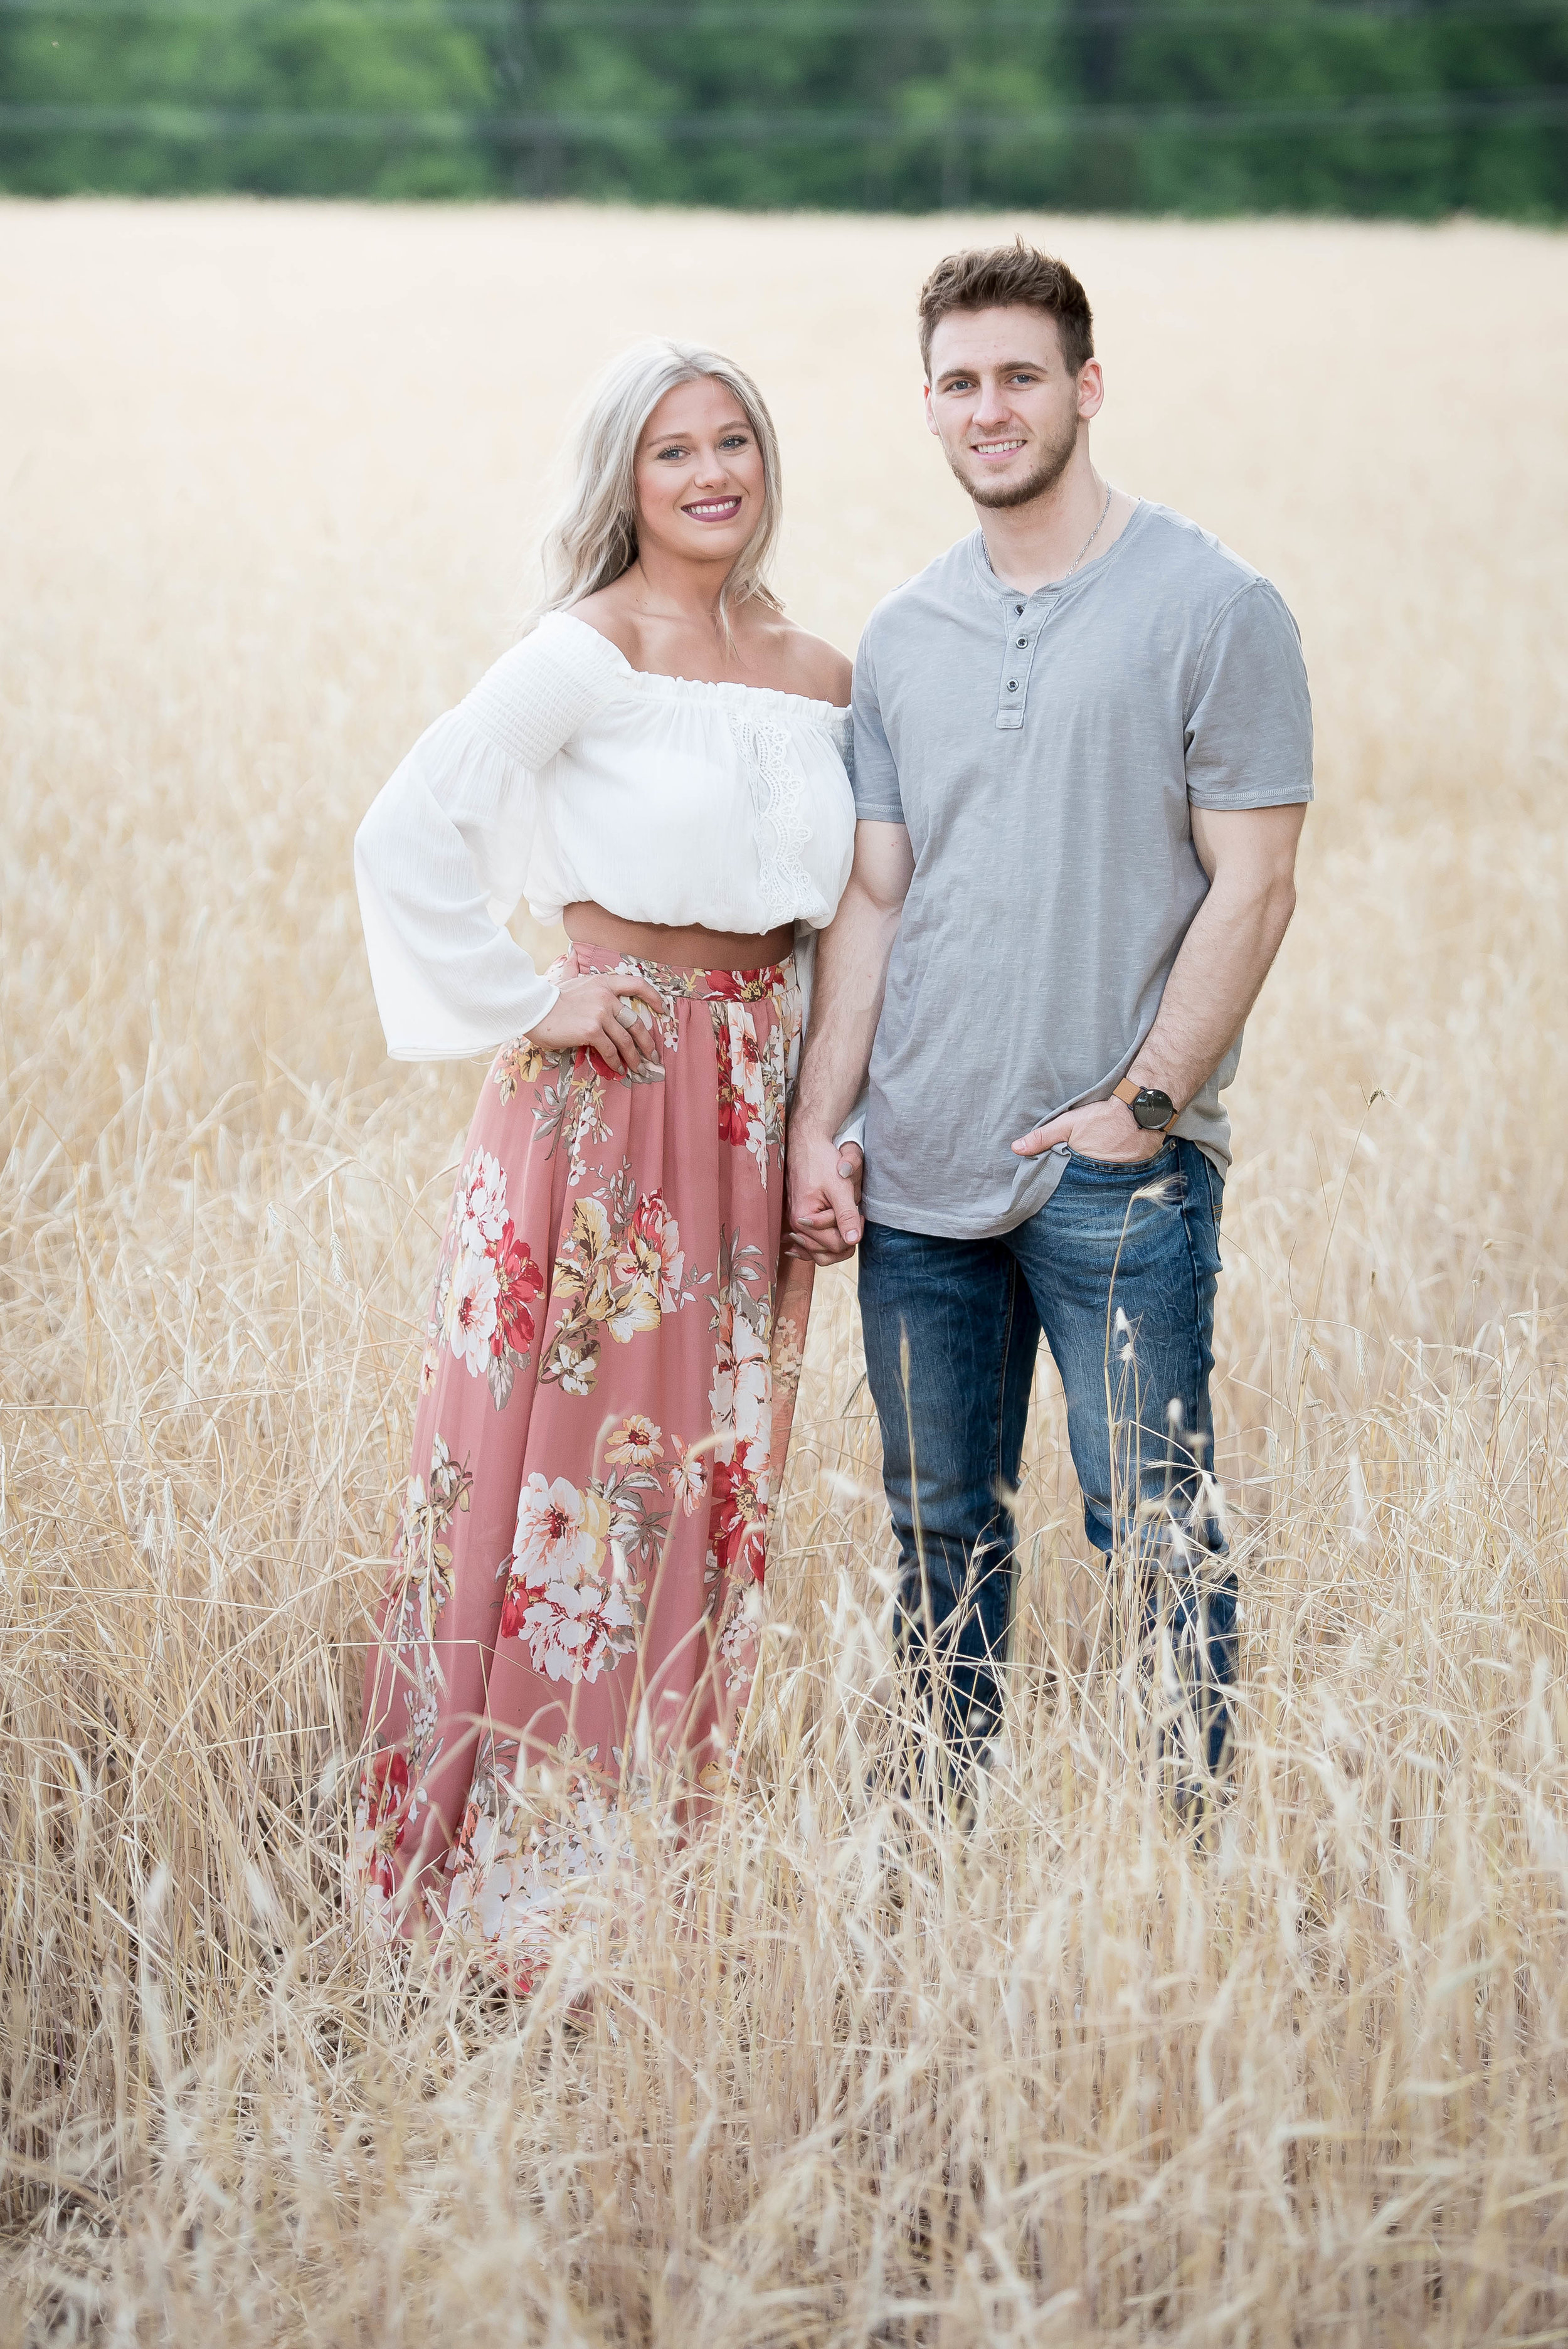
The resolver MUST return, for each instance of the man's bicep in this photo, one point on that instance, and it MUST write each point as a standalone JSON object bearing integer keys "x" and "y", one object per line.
{"x": 884, "y": 862}
{"x": 1259, "y": 840}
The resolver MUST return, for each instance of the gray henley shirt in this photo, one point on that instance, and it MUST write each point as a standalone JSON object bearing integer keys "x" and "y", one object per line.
{"x": 1045, "y": 753}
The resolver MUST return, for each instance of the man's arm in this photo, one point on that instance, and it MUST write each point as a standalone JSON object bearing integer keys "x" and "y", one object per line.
{"x": 1249, "y": 855}
{"x": 852, "y": 955}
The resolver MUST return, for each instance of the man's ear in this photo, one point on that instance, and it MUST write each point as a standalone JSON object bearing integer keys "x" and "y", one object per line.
{"x": 930, "y": 411}
{"x": 1090, "y": 389}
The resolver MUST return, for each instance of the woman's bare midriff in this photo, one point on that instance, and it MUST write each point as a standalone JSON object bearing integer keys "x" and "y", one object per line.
{"x": 692, "y": 948}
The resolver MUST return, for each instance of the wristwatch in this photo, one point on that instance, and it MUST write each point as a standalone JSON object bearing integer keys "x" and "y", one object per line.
{"x": 1151, "y": 1108}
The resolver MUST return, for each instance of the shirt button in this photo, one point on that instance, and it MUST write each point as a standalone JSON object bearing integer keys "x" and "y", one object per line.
{"x": 1012, "y": 684}
{"x": 1022, "y": 642}
{"x": 1019, "y": 609}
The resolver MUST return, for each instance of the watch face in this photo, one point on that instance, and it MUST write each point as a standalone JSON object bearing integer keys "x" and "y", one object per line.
{"x": 1154, "y": 1111}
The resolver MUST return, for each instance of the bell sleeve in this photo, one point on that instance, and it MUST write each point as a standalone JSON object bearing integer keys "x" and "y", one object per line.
{"x": 441, "y": 857}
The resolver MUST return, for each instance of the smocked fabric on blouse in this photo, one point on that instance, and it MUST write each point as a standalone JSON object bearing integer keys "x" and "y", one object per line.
{"x": 568, "y": 775}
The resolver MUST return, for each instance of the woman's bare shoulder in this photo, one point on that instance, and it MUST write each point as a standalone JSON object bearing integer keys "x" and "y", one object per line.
{"x": 609, "y": 612}
{"x": 815, "y": 668}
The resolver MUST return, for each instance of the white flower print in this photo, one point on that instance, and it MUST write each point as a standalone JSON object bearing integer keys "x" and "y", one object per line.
{"x": 572, "y": 1628}
{"x": 636, "y": 1443}
{"x": 471, "y": 1310}
{"x": 564, "y": 1594}
{"x": 741, "y": 1395}
{"x": 688, "y": 1480}
{"x": 483, "y": 1211}
{"x": 561, "y": 1532}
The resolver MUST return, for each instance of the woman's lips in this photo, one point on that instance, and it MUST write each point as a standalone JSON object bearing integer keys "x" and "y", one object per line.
{"x": 714, "y": 509}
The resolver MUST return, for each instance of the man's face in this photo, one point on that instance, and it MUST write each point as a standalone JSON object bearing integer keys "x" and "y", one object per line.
{"x": 1002, "y": 404}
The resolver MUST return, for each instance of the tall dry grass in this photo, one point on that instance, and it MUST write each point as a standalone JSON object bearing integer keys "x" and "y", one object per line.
{"x": 1074, "y": 2076}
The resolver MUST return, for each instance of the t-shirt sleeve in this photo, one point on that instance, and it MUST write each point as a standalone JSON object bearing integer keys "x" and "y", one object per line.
{"x": 1249, "y": 721}
{"x": 874, "y": 770}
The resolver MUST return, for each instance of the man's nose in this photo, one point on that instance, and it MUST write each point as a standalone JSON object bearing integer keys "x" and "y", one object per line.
{"x": 991, "y": 406}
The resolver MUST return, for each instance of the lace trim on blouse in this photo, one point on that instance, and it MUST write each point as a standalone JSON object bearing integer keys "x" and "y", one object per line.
{"x": 773, "y": 776}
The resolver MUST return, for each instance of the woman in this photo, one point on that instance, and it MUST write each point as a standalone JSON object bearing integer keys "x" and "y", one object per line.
{"x": 610, "y": 1363}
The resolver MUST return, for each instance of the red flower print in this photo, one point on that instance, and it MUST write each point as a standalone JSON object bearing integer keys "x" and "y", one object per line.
{"x": 387, "y": 1788}
{"x": 740, "y": 1524}
{"x": 519, "y": 1281}
{"x": 734, "y": 1116}
{"x": 387, "y": 1815}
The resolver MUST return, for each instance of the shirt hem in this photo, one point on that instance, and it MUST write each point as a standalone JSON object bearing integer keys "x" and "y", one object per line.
{"x": 1296, "y": 795}
{"x": 923, "y": 1225}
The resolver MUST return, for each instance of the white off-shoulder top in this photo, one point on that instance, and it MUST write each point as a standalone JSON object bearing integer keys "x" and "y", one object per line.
{"x": 567, "y": 774}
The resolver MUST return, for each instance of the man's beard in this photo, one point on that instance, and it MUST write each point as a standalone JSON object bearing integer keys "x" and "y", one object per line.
{"x": 1055, "y": 459}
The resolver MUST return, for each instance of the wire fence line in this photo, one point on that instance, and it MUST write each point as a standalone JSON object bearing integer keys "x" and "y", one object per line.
{"x": 1418, "y": 106}
{"x": 1163, "y": 15}
{"x": 806, "y": 125}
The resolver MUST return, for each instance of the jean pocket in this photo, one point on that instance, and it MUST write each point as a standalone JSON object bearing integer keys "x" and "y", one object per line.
{"x": 1127, "y": 1169}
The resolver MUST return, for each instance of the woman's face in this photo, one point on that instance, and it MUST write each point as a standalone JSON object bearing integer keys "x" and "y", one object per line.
{"x": 698, "y": 475}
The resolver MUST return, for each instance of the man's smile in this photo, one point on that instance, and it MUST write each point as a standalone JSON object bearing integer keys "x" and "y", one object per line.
{"x": 995, "y": 448}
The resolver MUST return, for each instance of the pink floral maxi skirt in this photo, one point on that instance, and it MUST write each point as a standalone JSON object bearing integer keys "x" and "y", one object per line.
{"x": 606, "y": 1395}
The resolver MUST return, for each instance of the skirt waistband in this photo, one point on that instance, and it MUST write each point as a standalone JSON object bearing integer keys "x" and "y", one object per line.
{"x": 676, "y": 980}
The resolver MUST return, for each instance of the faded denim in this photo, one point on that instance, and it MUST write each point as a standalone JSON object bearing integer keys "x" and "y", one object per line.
{"x": 1117, "y": 1272}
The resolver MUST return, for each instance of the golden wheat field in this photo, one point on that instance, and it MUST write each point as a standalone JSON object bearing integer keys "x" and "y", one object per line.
{"x": 268, "y": 478}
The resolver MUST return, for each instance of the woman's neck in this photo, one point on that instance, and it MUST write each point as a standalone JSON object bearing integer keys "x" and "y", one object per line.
{"x": 666, "y": 587}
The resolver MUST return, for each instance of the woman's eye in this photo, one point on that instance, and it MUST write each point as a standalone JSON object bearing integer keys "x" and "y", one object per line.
{"x": 733, "y": 440}
{"x": 673, "y": 450}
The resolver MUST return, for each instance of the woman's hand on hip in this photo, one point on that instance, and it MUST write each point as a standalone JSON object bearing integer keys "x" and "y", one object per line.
{"x": 604, "y": 1011}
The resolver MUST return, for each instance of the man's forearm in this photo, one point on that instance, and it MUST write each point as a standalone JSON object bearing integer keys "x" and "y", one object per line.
{"x": 852, "y": 957}
{"x": 1215, "y": 981}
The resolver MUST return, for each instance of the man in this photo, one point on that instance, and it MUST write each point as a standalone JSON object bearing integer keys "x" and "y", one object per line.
{"x": 1083, "y": 752}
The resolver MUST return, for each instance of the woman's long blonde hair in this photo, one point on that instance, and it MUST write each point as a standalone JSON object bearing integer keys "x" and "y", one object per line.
{"x": 594, "y": 537}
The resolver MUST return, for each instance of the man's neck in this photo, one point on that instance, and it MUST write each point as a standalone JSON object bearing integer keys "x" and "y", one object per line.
{"x": 1032, "y": 545}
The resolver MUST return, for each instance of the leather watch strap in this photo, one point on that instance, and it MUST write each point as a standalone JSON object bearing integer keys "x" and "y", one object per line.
{"x": 1127, "y": 1090}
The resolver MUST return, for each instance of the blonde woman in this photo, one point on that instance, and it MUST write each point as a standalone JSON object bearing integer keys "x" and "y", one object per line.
{"x": 609, "y": 1368}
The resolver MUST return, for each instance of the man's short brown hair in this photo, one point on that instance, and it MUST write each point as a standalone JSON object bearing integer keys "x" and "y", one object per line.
{"x": 998, "y": 276}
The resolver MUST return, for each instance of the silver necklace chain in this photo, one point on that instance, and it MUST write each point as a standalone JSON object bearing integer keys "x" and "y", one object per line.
{"x": 1089, "y": 541}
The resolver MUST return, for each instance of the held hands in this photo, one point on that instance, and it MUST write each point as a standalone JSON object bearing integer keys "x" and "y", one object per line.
{"x": 589, "y": 1011}
{"x": 824, "y": 1197}
{"x": 1106, "y": 1130}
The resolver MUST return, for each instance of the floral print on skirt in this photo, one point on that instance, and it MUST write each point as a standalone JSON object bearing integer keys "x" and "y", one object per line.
{"x": 606, "y": 1390}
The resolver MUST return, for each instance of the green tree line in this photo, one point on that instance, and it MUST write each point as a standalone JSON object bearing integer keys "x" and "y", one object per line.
{"x": 1365, "y": 107}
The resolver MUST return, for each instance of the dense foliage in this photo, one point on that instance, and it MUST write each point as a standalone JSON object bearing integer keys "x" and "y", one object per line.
{"x": 1416, "y": 106}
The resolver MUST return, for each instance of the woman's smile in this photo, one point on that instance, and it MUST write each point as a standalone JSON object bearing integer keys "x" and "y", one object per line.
{"x": 713, "y": 510}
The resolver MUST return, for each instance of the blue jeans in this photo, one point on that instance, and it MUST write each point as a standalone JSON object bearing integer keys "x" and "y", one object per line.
{"x": 1121, "y": 1284}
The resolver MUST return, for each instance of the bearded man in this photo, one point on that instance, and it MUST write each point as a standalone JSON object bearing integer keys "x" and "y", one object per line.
{"x": 1083, "y": 752}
